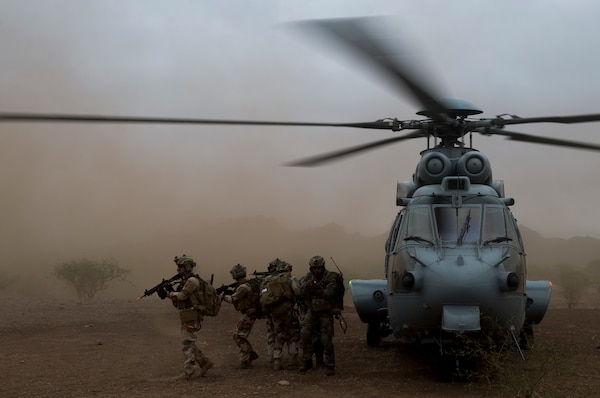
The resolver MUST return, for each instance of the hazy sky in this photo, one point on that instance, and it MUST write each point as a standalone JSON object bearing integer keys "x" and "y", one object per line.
{"x": 81, "y": 184}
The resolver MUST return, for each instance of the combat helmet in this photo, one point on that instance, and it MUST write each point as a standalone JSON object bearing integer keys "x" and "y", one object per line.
{"x": 283, "y": 267}
{"x": 186, "y": 261}
{"x": 273, "y": 265}
{"x": 238, "y": 271}
{"x": 316, "y": 261}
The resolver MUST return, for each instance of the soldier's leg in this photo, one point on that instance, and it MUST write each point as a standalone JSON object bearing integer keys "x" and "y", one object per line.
{"x": 240, "y": 336}
{"x": 270, "y": 338}
{"x": 191, "y": 353}
{"x": 318, "y": 347}
{"x": 306, "y": 332}
{"x": 279, "y": 331}
{"x": 290, "y": 340}
{"x": 327, "y": 341}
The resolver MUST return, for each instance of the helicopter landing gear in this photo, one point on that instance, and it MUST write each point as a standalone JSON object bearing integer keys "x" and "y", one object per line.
{"x": 373, "y": 334}
{"x": 526, "y": 336}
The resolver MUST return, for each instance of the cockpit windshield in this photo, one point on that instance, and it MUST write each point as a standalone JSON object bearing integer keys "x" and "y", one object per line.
{"x": 471, "y": 224}
{"x": 483, "y": 224}
{"x": 458, "y": 224}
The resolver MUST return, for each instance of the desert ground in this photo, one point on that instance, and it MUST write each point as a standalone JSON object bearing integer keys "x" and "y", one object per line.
{"x": 128, "y": 348}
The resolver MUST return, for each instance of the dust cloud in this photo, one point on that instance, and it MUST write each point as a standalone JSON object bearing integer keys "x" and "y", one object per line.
{"x": 144, "y": 193}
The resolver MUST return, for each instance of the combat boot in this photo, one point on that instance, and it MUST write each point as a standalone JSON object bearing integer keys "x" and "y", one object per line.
{"x": 185, "y": 376}
{"x": 253, "y": 356}
{"x": 277, "y": 364}
{"x": 205, "y": 367}
{"x": 306, "y": 366}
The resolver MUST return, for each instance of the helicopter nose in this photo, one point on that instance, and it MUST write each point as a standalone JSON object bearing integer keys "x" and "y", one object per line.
{"x": 464, "y": 281}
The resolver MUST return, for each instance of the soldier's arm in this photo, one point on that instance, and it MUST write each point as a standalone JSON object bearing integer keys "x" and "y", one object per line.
{"x": 188, "y": 289}
{"x": 239, "y": 294}
{"x": 329, "y": 288}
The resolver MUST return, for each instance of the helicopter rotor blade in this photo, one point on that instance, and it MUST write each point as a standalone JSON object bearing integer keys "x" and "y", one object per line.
{"x": 319, "y": 160}
{"x": 594, "y": 117}
{"x": 385, "y": 124}
{"x": 352, "y": 34}
{"x": 511, "y": 135}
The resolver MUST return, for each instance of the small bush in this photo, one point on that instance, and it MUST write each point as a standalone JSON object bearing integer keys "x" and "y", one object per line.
{"x": 89, "y": 277}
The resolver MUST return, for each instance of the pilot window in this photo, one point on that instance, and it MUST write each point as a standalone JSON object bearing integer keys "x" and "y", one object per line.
{"x": 497, "y": 225}
{"x": 418, "y": 223}
{"x": 458, "y": 224}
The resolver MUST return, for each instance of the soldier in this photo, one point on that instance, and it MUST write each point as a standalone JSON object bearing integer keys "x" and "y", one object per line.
{"x": 301, "y": 311}
{"x": 245, "y": 300}
{"x": 185, "y": 297}
{"x": 319, "y": 295}
{"x": 277, "y": 299}
{"x": 270, "y": 328}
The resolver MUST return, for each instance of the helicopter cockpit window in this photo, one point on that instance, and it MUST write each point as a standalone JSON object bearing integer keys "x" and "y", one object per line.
{"x": 497, "y": 226}
{"x": 458, "y": 224}
{"x": 418, "y": 225}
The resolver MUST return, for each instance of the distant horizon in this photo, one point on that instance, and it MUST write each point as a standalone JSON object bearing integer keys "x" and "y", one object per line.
{"x": 371, "y": 234}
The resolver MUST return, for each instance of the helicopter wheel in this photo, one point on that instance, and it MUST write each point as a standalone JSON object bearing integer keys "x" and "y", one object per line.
{"x": 373, "y": 334}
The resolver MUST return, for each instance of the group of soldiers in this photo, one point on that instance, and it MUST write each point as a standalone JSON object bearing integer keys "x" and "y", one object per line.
{"x": 299, "y": 314}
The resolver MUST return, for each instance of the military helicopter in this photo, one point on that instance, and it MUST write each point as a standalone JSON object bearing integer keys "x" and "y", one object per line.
{"x": 454, "y": 260}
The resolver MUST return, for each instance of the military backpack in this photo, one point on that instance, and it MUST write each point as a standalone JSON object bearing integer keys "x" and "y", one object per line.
{"x": 209, "y": 301}
{"x": 276, "y": 289}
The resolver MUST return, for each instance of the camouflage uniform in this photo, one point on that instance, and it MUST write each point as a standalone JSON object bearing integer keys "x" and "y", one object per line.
{"x": 270, "y": 336}
{"x": 286, "y": 327}
{"x": 184, "y": 298}
{"x": 318, "y": 294}
{"x": 316, "y": 333}
{"x": 246, "y": 302}
{"x": 270, "y": 328}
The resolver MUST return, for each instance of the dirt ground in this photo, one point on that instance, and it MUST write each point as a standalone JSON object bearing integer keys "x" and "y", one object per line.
{"x": 124, "y": 348}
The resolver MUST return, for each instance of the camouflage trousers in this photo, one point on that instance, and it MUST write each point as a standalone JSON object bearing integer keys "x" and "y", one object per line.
{"x": 191, "y": 353}
{"x": 286, "y": 330}
{"x": 315, "y": 323}
{"x": 240, "y": 336}
{"x": 270, "y": 335}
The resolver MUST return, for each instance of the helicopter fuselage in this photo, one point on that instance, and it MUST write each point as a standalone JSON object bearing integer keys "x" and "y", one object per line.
{"x": 455, "y": 260}
{"x": 456, "y": 268}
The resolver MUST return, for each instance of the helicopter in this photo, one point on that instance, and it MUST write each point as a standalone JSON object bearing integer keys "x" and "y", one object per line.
{"x": 455, "y": 262}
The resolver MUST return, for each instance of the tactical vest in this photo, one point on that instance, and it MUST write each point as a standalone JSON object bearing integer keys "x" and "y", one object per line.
{"x": 192, "y": 300}
{"x": 317, "y": 294}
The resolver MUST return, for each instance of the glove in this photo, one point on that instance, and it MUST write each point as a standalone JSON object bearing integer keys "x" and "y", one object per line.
{"x": 162, "y": 293}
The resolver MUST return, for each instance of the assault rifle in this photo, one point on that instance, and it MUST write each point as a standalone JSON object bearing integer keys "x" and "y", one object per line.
{"x": 227, "y": 289}
{"x": 162, "y": 288}
{"x": 267, "y": 273}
